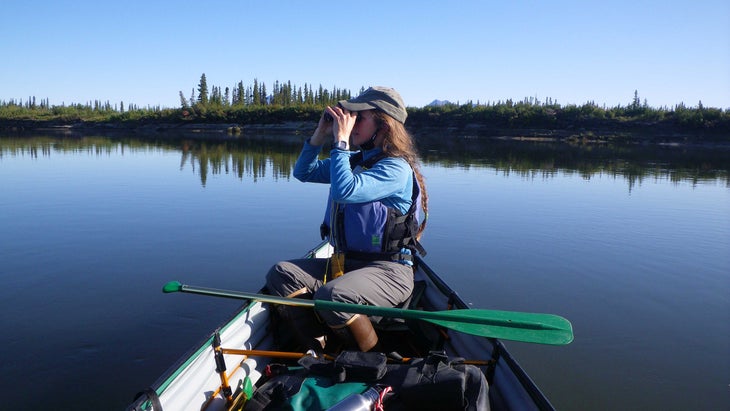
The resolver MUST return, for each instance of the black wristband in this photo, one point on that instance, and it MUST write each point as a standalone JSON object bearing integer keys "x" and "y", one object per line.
{"x": 340, "y": 145}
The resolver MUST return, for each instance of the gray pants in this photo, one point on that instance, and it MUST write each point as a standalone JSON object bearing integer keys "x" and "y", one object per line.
{"x": 379, "y": 283}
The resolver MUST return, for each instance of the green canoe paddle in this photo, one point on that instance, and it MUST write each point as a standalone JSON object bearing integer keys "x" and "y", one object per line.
{"x": 506, "y": 325}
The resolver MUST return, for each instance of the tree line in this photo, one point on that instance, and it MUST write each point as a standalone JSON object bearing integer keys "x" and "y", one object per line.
{"x": 283, "y": 94}
{"x": 531, "y": 113}
{"x": 256, "y": 103}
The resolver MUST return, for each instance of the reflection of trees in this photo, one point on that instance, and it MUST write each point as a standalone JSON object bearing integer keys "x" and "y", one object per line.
{"x": 254, "y": 157}
{"x": 544, "y": 159}
{"x": 250, "y": 158}
{"x": 45, "y": 145}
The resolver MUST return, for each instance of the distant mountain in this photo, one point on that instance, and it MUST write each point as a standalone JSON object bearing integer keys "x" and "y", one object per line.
{"x": 438, "y": 103}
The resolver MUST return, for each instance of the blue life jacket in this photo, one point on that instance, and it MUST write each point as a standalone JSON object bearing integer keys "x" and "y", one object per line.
{"x": 372, "y": 230}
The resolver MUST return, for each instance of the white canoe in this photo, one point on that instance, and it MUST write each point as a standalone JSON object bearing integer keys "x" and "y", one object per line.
{"x": 193, "y": 383}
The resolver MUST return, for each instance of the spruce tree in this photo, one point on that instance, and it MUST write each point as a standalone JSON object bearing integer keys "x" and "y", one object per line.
{"x": 256, "y": 93}
{"x": 203, "y": 90}
{"x": 183, "y": 100}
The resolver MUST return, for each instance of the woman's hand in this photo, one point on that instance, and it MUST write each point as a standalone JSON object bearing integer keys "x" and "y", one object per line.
{"x": 323, "y": 131}
{"x": 342, "y": 124}
{"x": 335, "y": 121}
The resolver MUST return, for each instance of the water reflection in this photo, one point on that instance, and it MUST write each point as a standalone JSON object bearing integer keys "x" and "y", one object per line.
{"x": 242, "y": 158}
{"x": 253, "y": 156}
{"x": 543, "y": 159}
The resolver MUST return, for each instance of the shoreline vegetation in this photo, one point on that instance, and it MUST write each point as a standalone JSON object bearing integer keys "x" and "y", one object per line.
{"x": 288, "y": 109}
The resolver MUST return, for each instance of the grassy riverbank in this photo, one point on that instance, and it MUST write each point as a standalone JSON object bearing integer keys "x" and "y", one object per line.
{"x": 526, "y": 119}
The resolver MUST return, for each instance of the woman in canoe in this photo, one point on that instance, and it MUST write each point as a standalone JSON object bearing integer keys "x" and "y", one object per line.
{"x": 376, "y": 196}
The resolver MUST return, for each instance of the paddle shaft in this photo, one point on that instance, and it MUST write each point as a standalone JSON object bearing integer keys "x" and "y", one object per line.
{"x": 361, "y": 309}
{"x": 337, "y": 306}
{"x": 516, "y": 326}
{"x": 240, "y": 295}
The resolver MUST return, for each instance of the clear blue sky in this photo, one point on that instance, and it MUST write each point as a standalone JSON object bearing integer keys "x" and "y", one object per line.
{"x": 145, "y": 52}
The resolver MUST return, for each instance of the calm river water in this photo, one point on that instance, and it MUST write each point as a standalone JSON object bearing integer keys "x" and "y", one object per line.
{"x": 631, "y": 245}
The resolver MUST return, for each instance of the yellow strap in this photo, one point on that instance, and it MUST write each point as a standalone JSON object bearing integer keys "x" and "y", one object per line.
{"x": 338, "y": 264}
{"x": 326, "y": 270}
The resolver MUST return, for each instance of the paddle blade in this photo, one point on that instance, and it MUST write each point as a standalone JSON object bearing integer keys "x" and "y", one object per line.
{"x": 508, "y": 325}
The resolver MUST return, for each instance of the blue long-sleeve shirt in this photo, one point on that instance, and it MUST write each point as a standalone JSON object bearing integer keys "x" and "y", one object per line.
{"x": 390, "y": 180}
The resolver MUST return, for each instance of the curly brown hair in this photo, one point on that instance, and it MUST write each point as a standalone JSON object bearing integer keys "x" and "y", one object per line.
{"x": 398, "y": 142}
